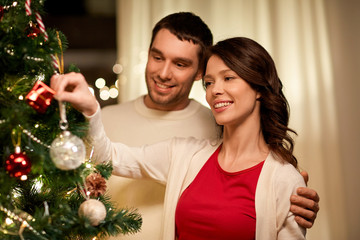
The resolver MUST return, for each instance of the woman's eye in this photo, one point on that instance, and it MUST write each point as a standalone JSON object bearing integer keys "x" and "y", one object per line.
{"x": 207, "y": 84}
{"x": 228, "y": 78}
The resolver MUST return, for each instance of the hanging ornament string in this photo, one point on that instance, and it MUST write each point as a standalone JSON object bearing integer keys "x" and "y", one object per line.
{"x": 16, "y": 140}
{"x": 60, "y": 62}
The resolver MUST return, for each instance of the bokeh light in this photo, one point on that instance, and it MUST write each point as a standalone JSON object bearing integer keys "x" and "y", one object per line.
{"x": 104, "y": 93}
{"x": 117, "y": 68}
{"x": 100, "y": 83}
{"x": 114, "y": 92}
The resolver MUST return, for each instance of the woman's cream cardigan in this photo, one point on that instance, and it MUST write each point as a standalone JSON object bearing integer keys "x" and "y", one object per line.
{"x": 176, "y": 162}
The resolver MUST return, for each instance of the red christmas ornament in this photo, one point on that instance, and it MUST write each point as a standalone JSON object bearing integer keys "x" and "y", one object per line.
{"x": 1, "y": 12}
{"x": 18, "y": 164}
{"x": 40, "y": 97}
{"x": 33, "y": 31}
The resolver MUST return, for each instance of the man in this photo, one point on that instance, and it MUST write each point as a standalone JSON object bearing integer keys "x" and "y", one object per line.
{"x": 175, "y": 60}
{"x": 166, "y": 111}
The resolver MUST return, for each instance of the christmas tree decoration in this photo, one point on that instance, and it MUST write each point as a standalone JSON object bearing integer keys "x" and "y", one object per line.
{"x": 1, "y": 12}
{"x": 93, "y": 210}
{"x": 18, "y": 164}
{"x": 16, "y": 222}
{"x": 67, "y": 151}
{"x": 95, "y": 185}
{"x": 41, "y": 25}
{"x": 33, "y": 31}
{"x": 40, "y": 97}
{"x": 33, "y": 147}
{"x": 28, "y": 7}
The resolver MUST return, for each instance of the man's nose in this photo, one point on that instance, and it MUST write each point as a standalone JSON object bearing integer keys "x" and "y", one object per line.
{"x": 165, "y": 71}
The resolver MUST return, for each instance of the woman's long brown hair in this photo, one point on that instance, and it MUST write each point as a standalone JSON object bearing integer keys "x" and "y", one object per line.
{"x": 254, "y": 64}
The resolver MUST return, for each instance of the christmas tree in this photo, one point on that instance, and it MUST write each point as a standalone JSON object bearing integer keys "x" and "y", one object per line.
{"x": 50, "y": 187}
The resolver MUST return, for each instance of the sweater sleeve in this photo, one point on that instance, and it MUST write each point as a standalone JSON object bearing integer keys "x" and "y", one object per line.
{"x": 151, "y": 161}
{"x": 288, "y": 180}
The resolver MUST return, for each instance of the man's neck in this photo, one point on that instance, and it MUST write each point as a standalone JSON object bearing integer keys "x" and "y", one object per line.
{"x": 165, "y": 107}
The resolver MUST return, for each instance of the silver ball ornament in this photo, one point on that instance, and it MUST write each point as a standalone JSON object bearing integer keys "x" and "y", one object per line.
{"x": 94, "y": 210}
{"x": 67, "y": 151}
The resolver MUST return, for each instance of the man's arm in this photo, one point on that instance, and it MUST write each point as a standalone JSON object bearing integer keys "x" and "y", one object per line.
{"x": 306, "y": 205}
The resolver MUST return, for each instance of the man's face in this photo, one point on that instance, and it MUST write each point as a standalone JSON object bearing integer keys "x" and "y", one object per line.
{"x": 172, "y": 67}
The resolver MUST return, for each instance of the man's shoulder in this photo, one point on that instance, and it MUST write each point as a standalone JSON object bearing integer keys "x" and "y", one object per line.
{"x": 202, "y": 111}
{"x": 119, "y": 107}
{"x": 200, "y": 107}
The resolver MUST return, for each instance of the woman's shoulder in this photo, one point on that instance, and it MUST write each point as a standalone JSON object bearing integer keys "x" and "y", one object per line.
{"x": 283, "y": 171}
{"x": 192, "y": 146}
{"x": 195, "y": 142}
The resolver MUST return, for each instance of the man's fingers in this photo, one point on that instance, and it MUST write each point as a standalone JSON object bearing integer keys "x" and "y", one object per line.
{"x": 303, "y": 222}
{"x": 308, "y": 193}
{"x": 304, "y": 203}
{"x": 306, "y": 214}
{"x": 54, "y": 82}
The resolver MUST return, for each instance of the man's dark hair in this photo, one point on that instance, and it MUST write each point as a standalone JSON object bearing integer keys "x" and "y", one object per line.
{"x": 186, "y": 26}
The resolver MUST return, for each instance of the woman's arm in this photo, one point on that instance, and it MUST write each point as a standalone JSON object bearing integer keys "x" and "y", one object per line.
{"x": 149, "y": 161}
{"x": 288, "y": 180}
{"x": 305, "y": 205}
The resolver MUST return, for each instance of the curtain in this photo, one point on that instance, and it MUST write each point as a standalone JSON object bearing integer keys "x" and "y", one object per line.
{"x": 296, "y": 34}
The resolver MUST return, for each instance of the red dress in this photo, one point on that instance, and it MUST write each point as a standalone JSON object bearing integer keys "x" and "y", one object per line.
{"x": 218, "y": 204}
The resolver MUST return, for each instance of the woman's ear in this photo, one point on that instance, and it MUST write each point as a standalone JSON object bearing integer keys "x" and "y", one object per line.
{"x": 258, "y": 95}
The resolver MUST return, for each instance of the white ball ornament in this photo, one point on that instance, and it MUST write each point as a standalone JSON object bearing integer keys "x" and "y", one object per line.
{"x": 67, "y": 151}
{"x": 94, "y": 210}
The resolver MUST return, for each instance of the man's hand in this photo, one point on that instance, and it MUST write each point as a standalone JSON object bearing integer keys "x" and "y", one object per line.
{"x": 73, "y": 88}
{"x": 306, "y": 205}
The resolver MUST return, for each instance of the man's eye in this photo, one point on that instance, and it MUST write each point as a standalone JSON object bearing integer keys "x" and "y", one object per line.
{"x": 181, "y": 65}
{"x": 157, "y": 58}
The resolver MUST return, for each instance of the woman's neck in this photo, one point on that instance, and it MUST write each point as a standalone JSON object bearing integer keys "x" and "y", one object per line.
{"x": 243, "y": 147}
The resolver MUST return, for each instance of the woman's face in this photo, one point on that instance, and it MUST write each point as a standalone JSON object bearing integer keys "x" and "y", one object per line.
{"x": 231, "y": 99}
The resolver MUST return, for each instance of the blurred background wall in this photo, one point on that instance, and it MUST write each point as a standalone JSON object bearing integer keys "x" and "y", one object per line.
{"x": 313, "y": 42}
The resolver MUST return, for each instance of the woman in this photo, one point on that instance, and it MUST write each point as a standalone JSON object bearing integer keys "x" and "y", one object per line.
{"x": 245, "y": 96}
{"x": 236, "y": 187}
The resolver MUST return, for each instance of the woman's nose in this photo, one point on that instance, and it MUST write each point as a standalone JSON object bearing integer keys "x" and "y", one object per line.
{"x": 218, "y": 88}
